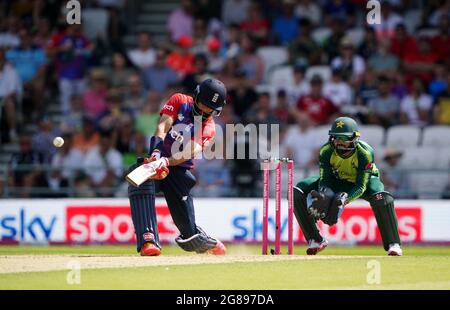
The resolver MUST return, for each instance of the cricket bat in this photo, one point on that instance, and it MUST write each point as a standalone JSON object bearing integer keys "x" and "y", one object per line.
{"x": 140, "y": 175}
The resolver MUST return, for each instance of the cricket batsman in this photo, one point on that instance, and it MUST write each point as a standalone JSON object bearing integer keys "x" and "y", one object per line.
{"x": 347, "y": 172}
{"x": 173, "y": 176}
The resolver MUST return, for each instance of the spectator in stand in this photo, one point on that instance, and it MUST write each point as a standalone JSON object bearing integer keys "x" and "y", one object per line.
{"x": 441, "y": 111}
{"x": 10, "y": 94}
{"x": 43, "y": 139}
{"x": 119, "y": 71}
{"x": 73, "y": 121}
{"x": 285, "y": 26}
{"x": 256, "y": 24}
{"x": 384, "y": 109}
{"x": 94, "y": 99}
{"x": 402, "y": 43}
{"x": 437, "y": 15}
{"x": 147, "y": 120}
{"x": 315, "y": 106}
{"x": 340, "y": 9}
{"x": 160, "y": 75}
{"x": 43, "y": 33}
{"x": 182, "y": 60}
{"x": 281, "y": 111}
{"x": 199, "y": 37}
{"x": 30, "y": 64}
{"x": 243, "y": 96}
{"x": 416, "y": 107}
{"x": 394, "y": 178}
{"x": 300, "y": 86}
{"x": 303, "y": 143}
{"x": 229, "y": 72}
{"x": 383, "y": 62}
{"x": 309, "y": 10}
{"x": 66, "y": 165}
{"x": 231, "y": 46}
{"x": 439, "y": 82}
{"x": 332, "y": 43}
{"x": 180, "y": 21}
{"x": 234, "y": 11}
{"x": 250, "y": 62}
{"x": 215, "y": 60}
{"x": 367, "y": 91}
{"x": 353, "y": 65}
{"x": 126, "y": 136}
{"x": 389, "y": 20}
{"x": 135, "y": 95}
{"x": 338, "y": 91}
{"x": 8, "y": 32}
{"x": 143, "y": 56}
{"x": 103, "y": 165}
{"x": 369, "y": 45}
{"x": 72, "y": 52}
{"x": 303, "y": 47}
{"x": 26, "y": 171}
{"x": 420, "y": 63}
{"x": 111, "y": 118}
{"x": 138, "y": 148}
{"x": 200, "y": 73}
{"x": 88, "y": 138}
{"x": 261, "y": 113}
{"x": 441, "y": 42}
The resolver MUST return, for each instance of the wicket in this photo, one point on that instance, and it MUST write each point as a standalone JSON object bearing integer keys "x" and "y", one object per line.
{"x": 266, "y": 195}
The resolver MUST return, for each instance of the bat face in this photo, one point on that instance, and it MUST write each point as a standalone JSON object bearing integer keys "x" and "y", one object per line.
{"x": 140, "y": 175}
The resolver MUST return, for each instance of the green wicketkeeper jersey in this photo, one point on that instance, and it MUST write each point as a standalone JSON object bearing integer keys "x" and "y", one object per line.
{"x": 356, "y": 169}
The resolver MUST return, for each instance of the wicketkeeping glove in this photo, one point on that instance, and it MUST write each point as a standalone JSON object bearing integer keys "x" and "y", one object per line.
{"x": 317, "y": 204}
{"x": 336, "y": 208}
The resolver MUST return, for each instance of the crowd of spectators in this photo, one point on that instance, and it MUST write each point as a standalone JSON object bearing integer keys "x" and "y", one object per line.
{"x": 109, "y": 94}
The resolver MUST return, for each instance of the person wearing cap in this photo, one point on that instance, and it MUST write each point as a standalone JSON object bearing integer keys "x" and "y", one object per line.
{"x": 186, "y": 127}
{"x": 318, "y": 108}
{"x": 347, "y": 172}
{"x": 353, "y": 65}
{"x": 182, "y": 60}
{"x": 337, "y": 90}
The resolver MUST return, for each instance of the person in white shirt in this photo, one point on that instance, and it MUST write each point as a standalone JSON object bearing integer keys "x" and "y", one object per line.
{"x": 299, "y": 86}
{"x": 65, "y": 164}
{"x": 103, "y": 165}
{"x": 337, "y": 90}
{"x": 352, "y": 64}
{"x": 415, "y": 108}
{"x": 144, "y": 55}
{"x": 302, "y": 143}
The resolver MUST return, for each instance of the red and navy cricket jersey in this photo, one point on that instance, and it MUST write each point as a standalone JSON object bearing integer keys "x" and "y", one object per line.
{"x": 179, "y": 107}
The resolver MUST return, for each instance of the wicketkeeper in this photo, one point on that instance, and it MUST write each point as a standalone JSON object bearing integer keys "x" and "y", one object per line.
{"x": 173, "y": 176}
{"x": 347, "y": 172}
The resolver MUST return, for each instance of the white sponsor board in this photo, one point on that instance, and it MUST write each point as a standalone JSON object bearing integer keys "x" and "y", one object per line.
{"x": 230, "y": 219}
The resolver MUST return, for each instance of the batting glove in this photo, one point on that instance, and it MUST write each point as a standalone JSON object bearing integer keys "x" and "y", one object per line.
{"x": 161, "y": 168}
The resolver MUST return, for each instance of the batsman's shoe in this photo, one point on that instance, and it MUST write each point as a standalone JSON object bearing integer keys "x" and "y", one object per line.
{"x": 219, "y": 249}
{"x": 150, "y": 249}
{"x": 315, "y": 247}
{"x": 395, "y": 250}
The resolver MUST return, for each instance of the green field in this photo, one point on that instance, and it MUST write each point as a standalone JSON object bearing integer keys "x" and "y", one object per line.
{"x": 337, "y": 268}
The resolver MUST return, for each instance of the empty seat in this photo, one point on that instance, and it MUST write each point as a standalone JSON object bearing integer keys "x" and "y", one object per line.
{"x": 372, "y": 134}
{"x": 436, "y": 136}
{"x": 403, "y": 136}
{"x": 323, "y": 71}
{"x": 442, "y": 158}
{"x": 418, "y": 158}
{"x": 272, "y": 56}
{"x": 281, "y": 77}
{"x": 95, "y": 23}
{"x": 428, "y": 185}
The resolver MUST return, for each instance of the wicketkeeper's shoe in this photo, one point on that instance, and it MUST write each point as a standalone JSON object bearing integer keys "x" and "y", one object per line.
{"x": 395, "y": 250}
{"x": 219, "y": 249}
{"x": 150, "y": 249}
{"x": 315, "y": 247}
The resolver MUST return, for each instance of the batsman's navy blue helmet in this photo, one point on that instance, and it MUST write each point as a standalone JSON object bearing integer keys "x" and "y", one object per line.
{"x": 212, "y": 93}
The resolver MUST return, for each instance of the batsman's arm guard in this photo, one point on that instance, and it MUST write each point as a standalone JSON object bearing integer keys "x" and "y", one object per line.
{"x": 155, "y": 143}
{"x": 199, "y": 243}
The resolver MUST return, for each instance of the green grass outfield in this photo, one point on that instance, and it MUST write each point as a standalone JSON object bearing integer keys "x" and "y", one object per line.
{"x": 420, "y": 268}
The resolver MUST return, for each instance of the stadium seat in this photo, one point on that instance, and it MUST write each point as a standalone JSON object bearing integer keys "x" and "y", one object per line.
{"x": 418, "y": 158}
{"x": 442, "y": 158}
{"x": 372, "y": 134}
{"x": 322, "y": 132}
{"x": 323, "y": 71}
{"x": 428, "y": 185}
{"x": 436, "y": 136}
{"x": 319, "y": 35}
{"x": 403, "y": 136}
{"x": 356, "y": 35}
{"x": 272, "y": 57}
{"x": 281, "y": 77}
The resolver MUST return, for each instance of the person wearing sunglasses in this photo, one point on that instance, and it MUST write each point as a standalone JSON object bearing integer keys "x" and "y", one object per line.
{"x": 185, "y": 129}
{"x": 347, "y": 172}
